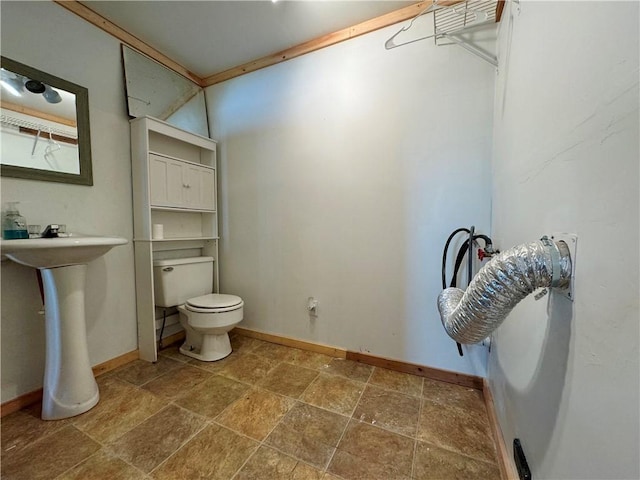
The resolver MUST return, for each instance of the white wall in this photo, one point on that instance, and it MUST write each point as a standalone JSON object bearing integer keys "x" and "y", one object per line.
{"x": 342, "y": 173}
{"x": 565, "y": 375}
{"x": 45, "y": 36}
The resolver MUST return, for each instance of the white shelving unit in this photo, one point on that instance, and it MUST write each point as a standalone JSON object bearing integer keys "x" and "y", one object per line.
{"x": 174, "y": 184}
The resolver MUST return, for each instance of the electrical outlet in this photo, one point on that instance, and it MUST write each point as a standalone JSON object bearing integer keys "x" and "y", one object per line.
{"x": 312, "y": 306}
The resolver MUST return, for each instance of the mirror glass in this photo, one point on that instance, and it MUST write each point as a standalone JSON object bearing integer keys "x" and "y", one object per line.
{"x": 156, "y": 91}
{"x": 44, "y": 126}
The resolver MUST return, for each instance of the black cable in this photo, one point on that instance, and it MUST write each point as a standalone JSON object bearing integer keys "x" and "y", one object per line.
{"x": 164, "y": 319}
{"x": 444, "y": 265}
{"x": 470, "y": 258}
{"x": 466, "y": 247}
{"x": 462, "y": 251}
{"x": 444, "y": 253}
{"x": 486, "y": 239}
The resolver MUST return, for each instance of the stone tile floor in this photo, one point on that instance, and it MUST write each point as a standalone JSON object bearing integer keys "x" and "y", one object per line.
{"x": 265, "y": 412}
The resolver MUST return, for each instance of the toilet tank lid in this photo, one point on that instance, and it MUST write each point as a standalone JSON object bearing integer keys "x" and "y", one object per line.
{"x": 181, "y": 261}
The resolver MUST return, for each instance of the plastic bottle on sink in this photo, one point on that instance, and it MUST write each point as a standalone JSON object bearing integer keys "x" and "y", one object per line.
{"x": 14, "y": 225}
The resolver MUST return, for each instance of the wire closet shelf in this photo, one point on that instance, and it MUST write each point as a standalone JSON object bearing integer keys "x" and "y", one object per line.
{"x": 11, "y": 121}
{"x": 453, "y": 20}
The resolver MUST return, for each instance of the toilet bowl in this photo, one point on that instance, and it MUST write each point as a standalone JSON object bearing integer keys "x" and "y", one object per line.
{"x": 206, "y": 317}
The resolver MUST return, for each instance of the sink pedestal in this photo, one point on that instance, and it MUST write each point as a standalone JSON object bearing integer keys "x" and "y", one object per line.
{"x": 69, "y": 385}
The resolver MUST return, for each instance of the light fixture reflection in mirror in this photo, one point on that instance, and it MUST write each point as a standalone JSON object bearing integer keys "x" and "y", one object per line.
{"x": 154, "y": 90}
{"x": 44, "y": 126}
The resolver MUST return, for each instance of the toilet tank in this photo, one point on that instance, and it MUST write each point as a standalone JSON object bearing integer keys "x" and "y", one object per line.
{"x": 177, "y": 280}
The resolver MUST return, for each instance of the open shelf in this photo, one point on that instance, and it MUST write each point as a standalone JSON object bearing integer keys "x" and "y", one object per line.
{"x": 176, "y": 239}
{"x": 181, "y": 209}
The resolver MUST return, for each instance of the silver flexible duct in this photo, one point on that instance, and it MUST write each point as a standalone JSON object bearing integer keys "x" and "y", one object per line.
{"x": 470, "y": 316}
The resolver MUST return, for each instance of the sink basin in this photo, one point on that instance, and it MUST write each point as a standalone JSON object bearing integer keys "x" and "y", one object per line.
{"x": 74, "y": 249}
{"x": 69, "y": 387}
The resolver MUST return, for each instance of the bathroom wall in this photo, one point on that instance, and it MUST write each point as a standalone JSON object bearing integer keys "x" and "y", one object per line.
{"x": 565, "y": 375}
{"x": 342, "y": 173}
{"x": 45, "y": 36}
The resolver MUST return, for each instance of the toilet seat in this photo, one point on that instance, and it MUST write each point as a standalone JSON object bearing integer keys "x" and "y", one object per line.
{"x": 214, "y": 303}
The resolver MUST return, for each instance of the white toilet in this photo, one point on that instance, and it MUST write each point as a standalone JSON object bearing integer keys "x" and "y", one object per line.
{"x": 207, "y": 317}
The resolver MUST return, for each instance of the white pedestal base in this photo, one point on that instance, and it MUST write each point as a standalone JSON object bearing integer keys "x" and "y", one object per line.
{"x": 69, "y": 385}
{"x": 209, "y": 348}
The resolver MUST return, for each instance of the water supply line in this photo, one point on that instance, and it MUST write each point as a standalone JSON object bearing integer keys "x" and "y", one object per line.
{"x": 470, "y": 316}
{"x": 465, "y": 249}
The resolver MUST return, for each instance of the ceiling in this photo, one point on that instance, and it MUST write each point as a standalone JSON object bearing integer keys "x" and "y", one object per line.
{"x": 208, "y": 37}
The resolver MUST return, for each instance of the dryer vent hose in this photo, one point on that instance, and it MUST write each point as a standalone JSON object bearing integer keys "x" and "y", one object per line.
{"x": 470, "y": 316}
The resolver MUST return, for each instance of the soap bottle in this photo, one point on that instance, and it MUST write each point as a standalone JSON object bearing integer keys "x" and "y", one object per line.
{"x": 14, "y": 225}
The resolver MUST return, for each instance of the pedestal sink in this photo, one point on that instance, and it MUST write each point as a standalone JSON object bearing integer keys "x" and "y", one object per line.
{"x": 69, "y": 385}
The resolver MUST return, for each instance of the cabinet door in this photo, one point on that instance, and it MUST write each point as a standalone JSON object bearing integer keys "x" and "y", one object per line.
{"x": 200, "y": 187}
{"x": 166, "y": 184}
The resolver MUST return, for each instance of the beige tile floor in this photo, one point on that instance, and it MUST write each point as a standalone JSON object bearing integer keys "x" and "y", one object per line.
{"x": 265, "y": 412}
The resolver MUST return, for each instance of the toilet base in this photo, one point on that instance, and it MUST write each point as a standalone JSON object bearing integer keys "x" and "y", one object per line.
{"x": 212, "y": 348}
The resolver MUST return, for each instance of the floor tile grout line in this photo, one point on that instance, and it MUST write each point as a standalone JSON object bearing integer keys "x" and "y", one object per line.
{"x": 107, "y": 446}
{"x": 335, "y": 450}
{"x": 180, "y": 364}
{"x": 261, "y": 382}
{"x": 409, "y": 437}
{"x": 268, "y": 445}
{"x": 308, "y": 386}
{"x": 251, "y": 387}
{"x": 462, "y": 454}
{"x": 384, "y": 387}
{"x": 170, "y": 401}
{"x": 327, "y": 409}
{"x": 393, "y": 390}
{"x": 273, "y": 447}
{"x": 340, "y": 374}
{"x": 450, "y": 449}
{"x": 415, "y": 442}
{"x": 191, "y": 437}
{"x": 324, "y": 409}
{"x": 260, "y": 444}
{"x": 205, "y": 418}
{"x": 370, "y": 375}
{"x": 346, "y": 426}
{"x": 140, "y": 422}
{"x": 110, "y": 452}
{"x": 399, "y": 393}
{"x": 41, "y": 438}
{"x": 80, "y": 462}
